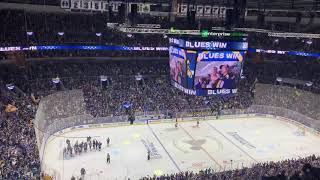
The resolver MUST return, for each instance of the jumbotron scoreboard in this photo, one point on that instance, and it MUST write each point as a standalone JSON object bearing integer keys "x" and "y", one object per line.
{"x": 207, "y": 66}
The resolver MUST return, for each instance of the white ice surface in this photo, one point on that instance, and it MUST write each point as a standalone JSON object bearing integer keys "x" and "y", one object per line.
{"x": 214, "y": 144}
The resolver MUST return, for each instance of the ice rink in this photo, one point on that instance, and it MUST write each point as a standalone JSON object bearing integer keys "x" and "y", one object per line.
{"x": 220, "y": 144}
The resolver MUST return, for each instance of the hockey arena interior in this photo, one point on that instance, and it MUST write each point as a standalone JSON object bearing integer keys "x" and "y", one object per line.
{"x": 160, "y": 90}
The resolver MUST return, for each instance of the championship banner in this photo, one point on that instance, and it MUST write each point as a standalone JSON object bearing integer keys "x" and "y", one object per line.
{"x": 86, "y": 4}
{"x": 145, "y": 8}
{"x": 65, "y": 4}
{"x": 192, "y": 7}
{"x": 129, "y": 8}
{"x": 199, "y": 10}
{"x": 215, "y": 11}
{"x": 183, "y": 9}
{"x": 115, "y": 6}
{"x": 105, "y": 6}
{"x": 222, "y": 12}
{"x": 207, "y": 11}
{"x": 76, "y": 4}
{"x": 96, "y": 5}
{"x": 140, "y": 8}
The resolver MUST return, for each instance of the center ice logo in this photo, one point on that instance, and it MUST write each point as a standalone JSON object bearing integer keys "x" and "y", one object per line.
{"x": 196, "y": 144}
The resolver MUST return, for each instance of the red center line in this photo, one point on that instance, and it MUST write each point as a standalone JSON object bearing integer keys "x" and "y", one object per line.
{"x": 201, "y": 147}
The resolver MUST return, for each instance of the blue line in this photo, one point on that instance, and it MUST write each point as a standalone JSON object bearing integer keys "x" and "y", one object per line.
{"x": 231, "y": 141}
{"x": 164, "y": 148}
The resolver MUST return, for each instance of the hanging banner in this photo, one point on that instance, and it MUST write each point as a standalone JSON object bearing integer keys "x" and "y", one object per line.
{"x": 192, "y": 7}
{"x": 222, "y": 12}
{"x": 115, "y": 6}
{"x": 105, "y": 6}
{"x": 65, "y": 4}
{"x": 207, "y": 11}
{"x": 86, "y": 4}
{"x": 145, "y": 8}
{"x": 76, "y": 4}
{"x": 199, "y": 10}
{"x": 96, "y": 5}
{"x": 215, "y": 11}
{"x": 183, "y": 9}
{"x": 140, "y": 8}
{"x": 129, "y": 8}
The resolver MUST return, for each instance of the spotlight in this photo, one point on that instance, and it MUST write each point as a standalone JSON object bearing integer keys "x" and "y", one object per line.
{"x": 279, "y": 79}
{"x": 10, "y": 86}
{"x": 103, "y": 78}
{"x": 309, "y": 83}
{"x": 309, "y": 41}
{"x": 104, "y": 82}
{"x": 56, "y": 80}
{"x": 138, "y": 77}
{"x": 57, "y": 83}
{"x": 29, "y": 33}
{"x": 60, "y": 33}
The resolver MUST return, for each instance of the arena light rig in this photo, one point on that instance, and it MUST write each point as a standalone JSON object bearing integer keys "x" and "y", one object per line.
{"x": 30, "y": 33}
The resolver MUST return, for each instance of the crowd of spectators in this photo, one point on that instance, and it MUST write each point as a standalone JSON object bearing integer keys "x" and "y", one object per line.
{"x": 293, "y": 169}
{"x": 19, "y": 157}
{"x": 152, "y": 93}
{"x": 289, "y": 98}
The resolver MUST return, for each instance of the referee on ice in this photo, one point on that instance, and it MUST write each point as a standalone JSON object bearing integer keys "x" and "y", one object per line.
{"x": 108, "y": 158}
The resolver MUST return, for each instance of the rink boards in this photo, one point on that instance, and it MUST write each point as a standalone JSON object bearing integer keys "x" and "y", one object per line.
{"x": 227, "y": 143}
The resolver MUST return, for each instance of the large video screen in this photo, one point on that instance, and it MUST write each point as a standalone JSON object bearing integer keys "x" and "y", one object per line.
{"x": 205, "y": 72}
{"x": 177, "y": 60}
{"x": 218, "y": 69}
